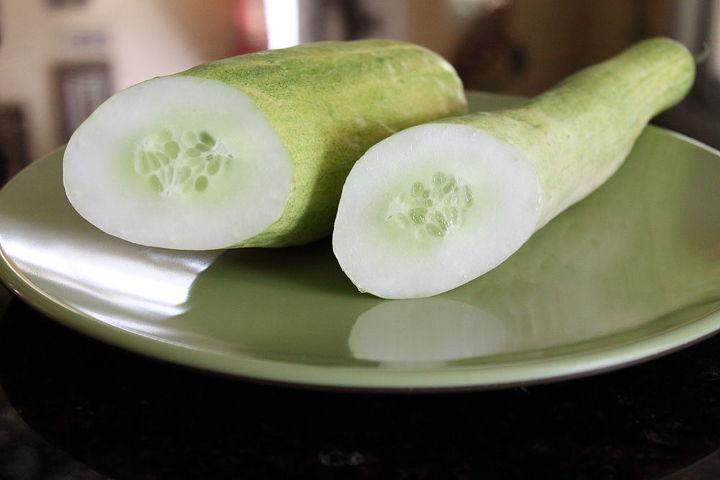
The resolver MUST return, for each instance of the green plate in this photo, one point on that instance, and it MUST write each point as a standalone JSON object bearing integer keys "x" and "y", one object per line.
{"x": 630, "y": 273}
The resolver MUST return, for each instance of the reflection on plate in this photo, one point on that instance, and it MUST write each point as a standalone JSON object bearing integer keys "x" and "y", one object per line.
{"x": 425, "y": 332}
{"x": 631, "y": 272}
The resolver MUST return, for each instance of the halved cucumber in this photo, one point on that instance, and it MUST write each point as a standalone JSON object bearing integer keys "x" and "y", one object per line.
{"x": 251, "y": 150}
{"x": 437, "y": 205}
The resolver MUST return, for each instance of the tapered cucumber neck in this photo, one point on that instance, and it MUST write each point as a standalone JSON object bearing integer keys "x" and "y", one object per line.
{"x": 647, "y": 78}
{"x": 585, "y": 126}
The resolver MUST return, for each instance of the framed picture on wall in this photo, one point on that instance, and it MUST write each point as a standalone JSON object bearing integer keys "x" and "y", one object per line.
{"x": 81, "y": 88}
{"x": 66, "y": 3}
{"x": 13, "y": 144}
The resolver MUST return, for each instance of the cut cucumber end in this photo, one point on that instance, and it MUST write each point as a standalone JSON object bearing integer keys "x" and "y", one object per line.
{"x": 172, "y": 153}
{"x": 431, "y": 208}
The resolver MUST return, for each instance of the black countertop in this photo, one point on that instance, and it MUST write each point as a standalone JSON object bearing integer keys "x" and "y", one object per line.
{"x": 72, "y": 408}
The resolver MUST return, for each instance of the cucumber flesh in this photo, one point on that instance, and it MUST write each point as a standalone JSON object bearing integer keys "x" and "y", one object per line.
{"x": 441, "y": 203}
{"x": 193, "y": 152}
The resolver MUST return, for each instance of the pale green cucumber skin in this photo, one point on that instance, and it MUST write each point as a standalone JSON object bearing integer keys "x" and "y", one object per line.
{"x": 578, "y": 133}
{"x": 329, "y": 102}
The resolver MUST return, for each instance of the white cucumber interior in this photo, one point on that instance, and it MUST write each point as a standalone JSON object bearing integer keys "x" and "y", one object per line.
{"x": 432, "y": 207}
{"x": 178, "y": 162}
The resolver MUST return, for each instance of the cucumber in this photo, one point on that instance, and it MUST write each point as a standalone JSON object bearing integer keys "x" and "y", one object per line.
{"x": 437, "y": 205}
{"x": 252, "y": 150}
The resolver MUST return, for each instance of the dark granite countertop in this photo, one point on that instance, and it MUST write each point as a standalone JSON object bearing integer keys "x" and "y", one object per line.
{"x": 72, "y": 408}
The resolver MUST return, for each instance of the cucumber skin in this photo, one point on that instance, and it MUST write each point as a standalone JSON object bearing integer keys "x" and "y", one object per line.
{"x": 577, "y": 134}
{"x": 329, "y": 102}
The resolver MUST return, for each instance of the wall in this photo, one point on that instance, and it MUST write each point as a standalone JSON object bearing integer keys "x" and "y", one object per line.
{"x": 138, "y": 38}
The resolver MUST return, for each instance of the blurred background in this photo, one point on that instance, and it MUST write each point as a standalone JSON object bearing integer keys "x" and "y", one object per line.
{"x": 60, "y": 58}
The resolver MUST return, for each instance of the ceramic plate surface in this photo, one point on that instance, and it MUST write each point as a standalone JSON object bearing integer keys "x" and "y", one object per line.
{"x": 629, "y": 273}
